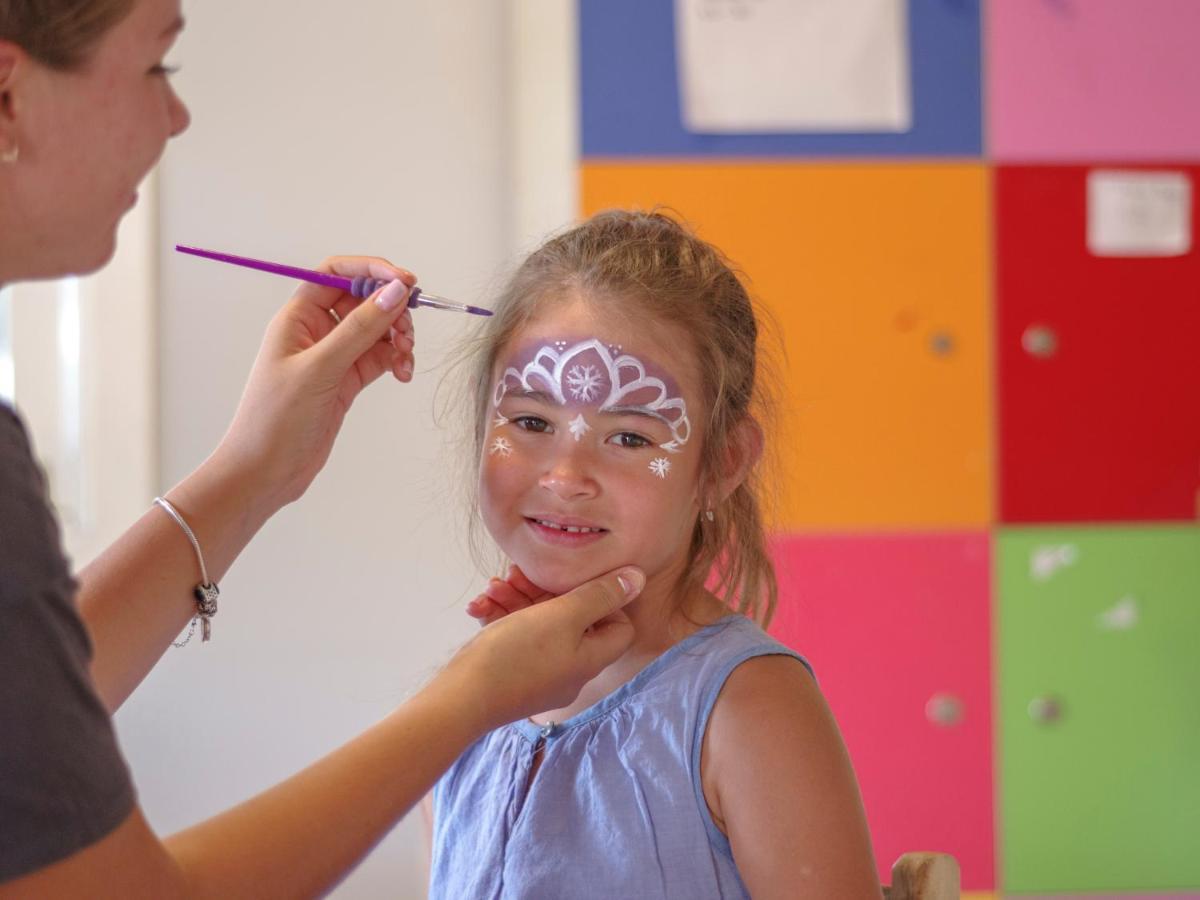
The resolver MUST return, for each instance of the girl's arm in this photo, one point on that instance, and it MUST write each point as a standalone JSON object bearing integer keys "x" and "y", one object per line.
{"x": 779, "y": 783}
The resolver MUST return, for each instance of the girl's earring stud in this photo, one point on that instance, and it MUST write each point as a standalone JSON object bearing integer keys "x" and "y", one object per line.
{"x": 710, "y": 515}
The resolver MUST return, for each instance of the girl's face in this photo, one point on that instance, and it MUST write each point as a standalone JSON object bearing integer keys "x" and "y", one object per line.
{"x": 590, "y": 461}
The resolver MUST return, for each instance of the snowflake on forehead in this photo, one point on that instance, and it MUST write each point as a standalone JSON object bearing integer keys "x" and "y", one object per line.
{"x": 584, "y": 383}
{"x": 660, "y": 466}
{"x": 502, "y": 446}
{"x": 579, "y": 427}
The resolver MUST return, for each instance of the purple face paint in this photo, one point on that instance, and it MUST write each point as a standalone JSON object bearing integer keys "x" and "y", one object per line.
{"x": 589, "y": 372}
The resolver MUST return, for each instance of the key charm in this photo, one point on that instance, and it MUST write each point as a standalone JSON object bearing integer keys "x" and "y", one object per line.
{"x": 206, "y": 607}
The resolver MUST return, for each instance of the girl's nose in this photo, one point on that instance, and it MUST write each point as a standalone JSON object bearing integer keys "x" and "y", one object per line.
{"x": 567, "y": 478}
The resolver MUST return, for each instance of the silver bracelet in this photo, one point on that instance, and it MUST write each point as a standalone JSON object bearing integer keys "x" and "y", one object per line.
{"x": 206, "y": 592}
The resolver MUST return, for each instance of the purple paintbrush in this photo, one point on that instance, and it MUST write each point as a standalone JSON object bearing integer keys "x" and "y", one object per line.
{"x": 359, "y": 286}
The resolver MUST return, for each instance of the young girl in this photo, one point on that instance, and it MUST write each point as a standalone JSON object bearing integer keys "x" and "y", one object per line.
{"x": 614, "y": 400}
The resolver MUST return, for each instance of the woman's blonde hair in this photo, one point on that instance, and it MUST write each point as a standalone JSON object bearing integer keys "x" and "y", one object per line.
{"x": 59, "y": 33}
{"x": 652, "y": 268}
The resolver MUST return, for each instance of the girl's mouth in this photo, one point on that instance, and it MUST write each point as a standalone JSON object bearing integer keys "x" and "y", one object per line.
{"x": 563, "y": 533}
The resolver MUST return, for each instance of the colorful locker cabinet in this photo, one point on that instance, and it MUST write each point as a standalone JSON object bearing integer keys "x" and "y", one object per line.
{"x": 878, "y": 276}
{"x": 1099, "y": 361}
{"x": 1099, "y": 750}
{"x": 897, "y": 630}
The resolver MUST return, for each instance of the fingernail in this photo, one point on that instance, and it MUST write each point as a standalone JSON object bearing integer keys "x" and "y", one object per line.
{"x": 632, "y": 581}
{"x": 392, "y": 295}
{"x": 406, "y": 370}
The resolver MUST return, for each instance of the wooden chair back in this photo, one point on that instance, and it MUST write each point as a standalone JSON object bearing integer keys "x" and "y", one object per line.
{"x": 924, "y": 876}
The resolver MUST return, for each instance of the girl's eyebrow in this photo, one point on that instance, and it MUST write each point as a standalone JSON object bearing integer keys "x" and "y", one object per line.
{"x": 636, "y": 411}
{"x": 536, "y": 396}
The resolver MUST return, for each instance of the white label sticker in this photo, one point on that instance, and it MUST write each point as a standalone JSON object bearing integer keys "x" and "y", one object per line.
{"x": 772, "y": 66}
{"x": 1121, "y": 617}
{"x": 1139, "y": 213}
{"x": 1046, "y": 561}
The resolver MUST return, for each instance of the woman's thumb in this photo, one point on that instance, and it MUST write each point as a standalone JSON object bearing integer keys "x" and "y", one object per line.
{"x": 590, "y": 603}
{"x": 366, "y": 326}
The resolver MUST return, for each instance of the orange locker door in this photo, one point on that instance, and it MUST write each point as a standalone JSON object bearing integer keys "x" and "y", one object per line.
{"x": 878, "y": 275}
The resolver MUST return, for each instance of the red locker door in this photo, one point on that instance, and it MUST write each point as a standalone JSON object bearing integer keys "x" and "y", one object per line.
{"x": 897, "y": 629}
{"x": 1099, "y": 362}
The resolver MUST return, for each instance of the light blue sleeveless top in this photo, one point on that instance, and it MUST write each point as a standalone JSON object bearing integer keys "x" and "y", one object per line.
{"x": 616, "y": 809}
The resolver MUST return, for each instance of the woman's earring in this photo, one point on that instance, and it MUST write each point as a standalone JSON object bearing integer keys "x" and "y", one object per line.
{"x": 710, "y": 515}
{"x": 10, "y": 156}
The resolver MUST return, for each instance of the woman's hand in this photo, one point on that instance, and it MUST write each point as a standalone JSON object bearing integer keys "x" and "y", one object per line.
{"x": 541, "y": 656}
{"x": 311, "y": 366}
{"x": 505, "y": 595}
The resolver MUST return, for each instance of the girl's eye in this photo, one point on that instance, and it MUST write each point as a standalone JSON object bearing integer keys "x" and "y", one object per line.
{"x": 531, "y": 423}
{"x": 164, "y": 71}
{"x": 630, "y": 440}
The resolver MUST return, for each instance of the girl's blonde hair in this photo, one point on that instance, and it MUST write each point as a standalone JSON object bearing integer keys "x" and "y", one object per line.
{"x": 652, "y": 268}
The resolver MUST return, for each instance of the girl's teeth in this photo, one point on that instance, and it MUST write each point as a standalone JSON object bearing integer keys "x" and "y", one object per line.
{"x": 573, "y": 529}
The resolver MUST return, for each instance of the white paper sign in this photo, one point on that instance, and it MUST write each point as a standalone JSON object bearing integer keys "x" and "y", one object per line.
{"x": 771, "y": 66}
{"x": 1132, "y": 213}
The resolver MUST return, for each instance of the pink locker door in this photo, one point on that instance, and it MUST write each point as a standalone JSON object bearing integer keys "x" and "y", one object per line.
{"x": 1101, "y": 79}
{"x": 897, "y": 629}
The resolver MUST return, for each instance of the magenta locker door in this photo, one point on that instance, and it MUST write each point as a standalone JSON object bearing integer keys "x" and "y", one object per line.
{"x": 1099, "y": 360}
{"x": 897, "y": 629}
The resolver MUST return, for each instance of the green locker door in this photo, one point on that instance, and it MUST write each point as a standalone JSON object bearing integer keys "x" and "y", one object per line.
{"x": 1099, "y": 708}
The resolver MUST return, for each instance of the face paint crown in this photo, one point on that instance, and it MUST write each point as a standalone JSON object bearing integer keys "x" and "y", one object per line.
{"x": 589, "y": 372}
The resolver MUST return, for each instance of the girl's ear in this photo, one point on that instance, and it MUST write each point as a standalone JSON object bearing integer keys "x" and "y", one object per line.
{"x": 745, "y": 450}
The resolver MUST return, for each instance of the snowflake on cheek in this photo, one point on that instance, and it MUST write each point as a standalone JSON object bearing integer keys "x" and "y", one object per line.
{"x": 502, "y": 446}
{"x": 660, "y": 466}
{"x": 579, "y": 427}
{"x": 584, "y": 382}
{"x": 499, "y": 421}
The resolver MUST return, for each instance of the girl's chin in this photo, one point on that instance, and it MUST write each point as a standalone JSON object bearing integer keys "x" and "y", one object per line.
{"x": 556, "y": 580}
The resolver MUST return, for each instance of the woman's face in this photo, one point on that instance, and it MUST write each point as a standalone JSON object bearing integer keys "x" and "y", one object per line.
{"x": 590, "y": 461}
{"x": 87, "y": 138}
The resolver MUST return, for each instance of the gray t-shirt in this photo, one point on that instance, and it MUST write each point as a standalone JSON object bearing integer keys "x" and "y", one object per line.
{"x": 63, "y": 783}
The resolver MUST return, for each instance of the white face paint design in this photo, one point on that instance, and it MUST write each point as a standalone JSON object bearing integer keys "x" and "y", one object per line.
{"x": 579, "y": 427}
{"x": 593, "y": 373}
{"x": 502, "y": 446}
{"x": 660, "y": 466}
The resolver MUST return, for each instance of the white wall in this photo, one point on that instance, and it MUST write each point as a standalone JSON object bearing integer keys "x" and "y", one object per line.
{"x": 375, "y": 127}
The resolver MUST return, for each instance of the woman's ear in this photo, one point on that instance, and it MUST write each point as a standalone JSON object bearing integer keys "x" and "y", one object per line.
{"x": 11, "y": 57}
{"x": 745, "y": 450}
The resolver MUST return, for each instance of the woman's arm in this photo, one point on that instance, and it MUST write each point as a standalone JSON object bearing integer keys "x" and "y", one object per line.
{"x": 779, "y": 783}
{"x": 137, "y": 596}
{"x": 297, "y": 839}
{"x": 301, "y": 837}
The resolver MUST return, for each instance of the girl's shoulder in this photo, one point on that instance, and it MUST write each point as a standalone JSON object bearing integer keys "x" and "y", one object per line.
{"x": 776, "y": 776}
{"x": 729, "y": 644}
